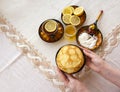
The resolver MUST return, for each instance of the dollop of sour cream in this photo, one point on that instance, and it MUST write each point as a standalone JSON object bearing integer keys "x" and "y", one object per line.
{"x": 87, "y": 40}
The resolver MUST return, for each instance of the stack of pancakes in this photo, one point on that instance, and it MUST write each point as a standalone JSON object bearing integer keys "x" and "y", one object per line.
{"x": 70, "y": 59}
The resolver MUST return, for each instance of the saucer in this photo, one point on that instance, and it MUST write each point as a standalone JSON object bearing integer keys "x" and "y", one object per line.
{"x": 51, "y": 38}
{"x": 82, "y": 17}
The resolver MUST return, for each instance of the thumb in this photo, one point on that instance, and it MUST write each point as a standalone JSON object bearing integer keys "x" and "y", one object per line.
{"x": 70, "y": 77}
{"x": 88, "y": 53}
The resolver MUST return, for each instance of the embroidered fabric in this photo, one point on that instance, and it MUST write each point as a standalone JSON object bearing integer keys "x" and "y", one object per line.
{"x": 40, "y": 62}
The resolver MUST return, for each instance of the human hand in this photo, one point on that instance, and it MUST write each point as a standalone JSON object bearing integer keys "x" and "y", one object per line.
{"x": 93, "y": 60}
{"x": 71, "y": 82}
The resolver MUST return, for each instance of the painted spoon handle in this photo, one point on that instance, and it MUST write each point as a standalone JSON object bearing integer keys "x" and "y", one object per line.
{"x": 101, "y": 12}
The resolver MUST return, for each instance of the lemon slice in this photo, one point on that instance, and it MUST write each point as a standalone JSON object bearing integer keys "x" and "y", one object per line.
{"x": 68, "y": 10}
{"x": 72, "y": 9}
{"x": 50, "y": 26}
{"x": 75, "y": 20}
{"x": 79, "y": 11}
{"x": 66, "y": 18}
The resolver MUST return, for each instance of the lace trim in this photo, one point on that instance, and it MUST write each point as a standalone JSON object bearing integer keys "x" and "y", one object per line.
{"x": 37, "y": 59}
{"x": 40, "y": 62}
{"x": 110, "y": 42}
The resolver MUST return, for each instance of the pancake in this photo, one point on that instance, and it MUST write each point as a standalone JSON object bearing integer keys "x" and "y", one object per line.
{"x": 70, "y": 59}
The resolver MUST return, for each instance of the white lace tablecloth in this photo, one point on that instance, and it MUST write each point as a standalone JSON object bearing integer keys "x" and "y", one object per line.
{"x": 27, "y": 63}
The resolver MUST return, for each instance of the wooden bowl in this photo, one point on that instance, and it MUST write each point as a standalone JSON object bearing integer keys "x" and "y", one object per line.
{"x": 98, "y": 34}
{"x": 65, "y": 68}
{"x": 82, "y": 17}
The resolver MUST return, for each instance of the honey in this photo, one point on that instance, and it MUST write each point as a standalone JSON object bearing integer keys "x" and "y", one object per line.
{"x": 70, "y": 32}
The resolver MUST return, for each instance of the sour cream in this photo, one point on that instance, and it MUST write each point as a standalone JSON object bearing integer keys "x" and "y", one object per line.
{"x": 87, "y": 40}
